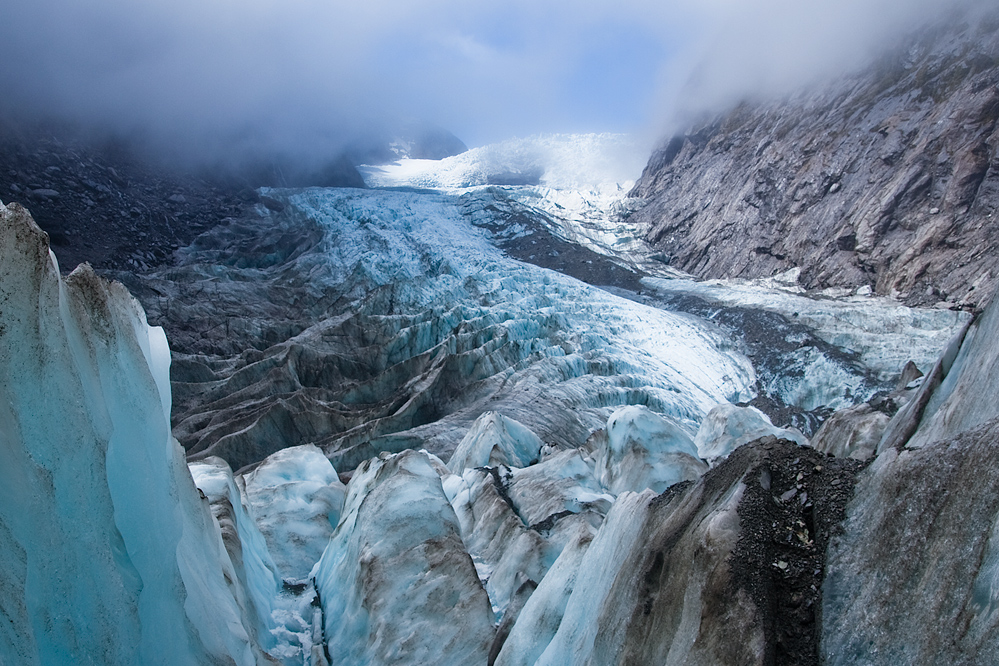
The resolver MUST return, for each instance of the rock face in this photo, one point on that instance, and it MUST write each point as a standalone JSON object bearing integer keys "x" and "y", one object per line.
{"x": 886, "y": 179}
{"x": 104, "y": 205}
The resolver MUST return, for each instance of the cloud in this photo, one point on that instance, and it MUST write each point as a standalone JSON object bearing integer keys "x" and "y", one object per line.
{"x": 307, "y": 75}
{"x": 764, "y": 48}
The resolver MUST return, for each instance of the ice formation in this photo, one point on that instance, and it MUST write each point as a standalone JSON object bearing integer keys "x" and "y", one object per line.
{"x": 881, "y": 331}
{"x": 577, "y": 519}
{"x": 295, "y": 497}
{"x": 576, "y": 184}
{"x": 727, "y": 427}
{"x": 513, "y": 333}
{"x": 496, "y": 440}
{"x": 644, "y": 450}
{"x": 395, "y": 582}
{"x": 110, "y": 557}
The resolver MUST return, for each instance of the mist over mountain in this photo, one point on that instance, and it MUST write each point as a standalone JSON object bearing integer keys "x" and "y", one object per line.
{"x": 290, "y": 375}
{"x": 232, "y": 81}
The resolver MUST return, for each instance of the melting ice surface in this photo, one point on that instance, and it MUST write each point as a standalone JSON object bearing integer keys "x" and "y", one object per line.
{"x": 290, "y": 562}
{"x": 424, "y": 247}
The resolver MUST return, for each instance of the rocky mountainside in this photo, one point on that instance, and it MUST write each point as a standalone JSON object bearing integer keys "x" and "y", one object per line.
{"x": 101, "y": 204}
{"x": 888, "y": 178}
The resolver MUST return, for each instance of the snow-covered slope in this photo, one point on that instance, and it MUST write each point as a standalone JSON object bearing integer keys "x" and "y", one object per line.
{"x": 575, "y": 184}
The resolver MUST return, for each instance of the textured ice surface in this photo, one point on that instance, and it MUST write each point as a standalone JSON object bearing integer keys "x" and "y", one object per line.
{"x": 727, "y": 427}
{"x": 577, "y": 631}
{"x": 247, "y": 549}
{"x": 645, "y": 450}
{"x": 395, "y": 582}
{"x": 883, "y": 332}
{"x": 912, "y": 577}
{"x": 851, "y": 433}
{"x": 653, "y": 587}
{"x": 564, "y": 481}
{"x": 295, "y": 497}
{"x": 524, "y": 336}
{"x": 516, "y": 522}
{"x": 496, "y": 440}
{"x": 110, "y": 556}
{"x": 542, "y": 614}
{"x": 967, "y": 395}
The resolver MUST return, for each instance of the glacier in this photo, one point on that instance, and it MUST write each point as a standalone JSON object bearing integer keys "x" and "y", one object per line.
{"x": 110, "y": 556}
{"x": 493, "y": 462}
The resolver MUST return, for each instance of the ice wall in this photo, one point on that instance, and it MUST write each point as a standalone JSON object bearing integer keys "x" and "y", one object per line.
{"x": 919, "y": 549}
{"x": 396, "y": 584}
{"x": 110, "y": 556}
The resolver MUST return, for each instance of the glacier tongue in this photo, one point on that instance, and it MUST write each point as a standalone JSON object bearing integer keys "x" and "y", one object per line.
{"x": 109, "y": 555}
{"x": 512, "y": 335}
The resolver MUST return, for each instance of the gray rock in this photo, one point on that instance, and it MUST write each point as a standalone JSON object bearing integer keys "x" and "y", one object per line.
{"x": 842, "y": 182}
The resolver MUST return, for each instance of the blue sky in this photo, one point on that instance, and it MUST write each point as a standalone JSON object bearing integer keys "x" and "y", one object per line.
{"x": 305, "y": 74}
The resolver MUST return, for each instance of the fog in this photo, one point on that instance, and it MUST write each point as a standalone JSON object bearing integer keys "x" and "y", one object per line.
{"x": 202, "y": 77}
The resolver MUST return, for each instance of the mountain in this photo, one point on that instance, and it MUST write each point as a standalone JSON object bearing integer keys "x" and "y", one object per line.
{"x": 330, "y": 349}
{"x": 886, "y": 178}
{"x": 466, "y": 414}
